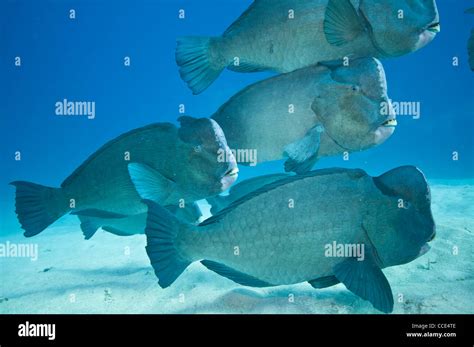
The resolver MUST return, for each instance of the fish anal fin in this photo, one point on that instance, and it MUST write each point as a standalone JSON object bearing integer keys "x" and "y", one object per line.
{"x": 116, "y": 231}
{"x": 234, "y": 275}
{"x": 324, "y": 282}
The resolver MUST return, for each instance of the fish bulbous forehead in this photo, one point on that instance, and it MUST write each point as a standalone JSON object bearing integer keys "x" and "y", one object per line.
{"x": 202, "y": 132}
{"x": 395, "y": 26}
{"x": 366, "y": 73}
{"x": 422, "y": 9}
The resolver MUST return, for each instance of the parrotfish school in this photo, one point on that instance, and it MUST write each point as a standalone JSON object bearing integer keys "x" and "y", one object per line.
{"x": 330, "y": 171}
{"x": 286, "y": 35}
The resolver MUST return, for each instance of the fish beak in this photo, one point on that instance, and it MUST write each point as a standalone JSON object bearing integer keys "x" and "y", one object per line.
{"x": 232, "y": 172}
{"x": 390, "y": 123}
{"x": 229, "y": 178}
{"x": 434, "y": 27}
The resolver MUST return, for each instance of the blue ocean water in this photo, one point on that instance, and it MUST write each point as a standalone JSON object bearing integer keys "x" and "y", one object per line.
{"x": 83, "y": 59}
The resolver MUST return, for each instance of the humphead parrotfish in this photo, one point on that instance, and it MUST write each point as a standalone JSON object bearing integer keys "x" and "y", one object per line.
{"x": 318, "y": 111}
{"x": 324, "y": 227}
{"x": 169, "y": 165}
{"x": 237, "y": 191}
{"x": 285, "y": 35}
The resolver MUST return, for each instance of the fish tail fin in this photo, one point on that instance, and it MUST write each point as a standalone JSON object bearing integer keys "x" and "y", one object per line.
{"x": 38, "y": 206}
{"x": 162, "y": 231}
{"x": 197, "y": 66}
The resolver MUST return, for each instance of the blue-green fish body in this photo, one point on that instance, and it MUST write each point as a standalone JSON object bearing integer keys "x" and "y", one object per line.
{"x": 285, "y": 35}
{"x": 161, "y": 162}
{"x": 318, "y": 111}
{"x": 283, "y": 233}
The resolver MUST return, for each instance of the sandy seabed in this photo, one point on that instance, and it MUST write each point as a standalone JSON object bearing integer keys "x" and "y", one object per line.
{"x": 111, "y": 274}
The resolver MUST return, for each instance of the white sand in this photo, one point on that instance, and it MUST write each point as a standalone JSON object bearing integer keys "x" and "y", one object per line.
{"x": 111, "y": 274}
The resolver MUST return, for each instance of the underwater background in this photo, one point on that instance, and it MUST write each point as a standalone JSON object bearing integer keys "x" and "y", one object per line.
{"x": 82, "y": 59}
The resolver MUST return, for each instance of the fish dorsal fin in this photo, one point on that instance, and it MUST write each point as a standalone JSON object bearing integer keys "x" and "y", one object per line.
{"x": 274, "y": 185}
{"x": 75, "y": 173}
{"x": 365, "y": 279}
{"x": 234, "y": 275}
{"x": 243, "y": 18}
{"x": 342, "y": 24}
{"x": 260, "y": 181}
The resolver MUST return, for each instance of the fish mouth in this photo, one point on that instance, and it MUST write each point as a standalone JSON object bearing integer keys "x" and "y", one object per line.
{"x": 234, "y": 172}
{"x": 434, "y": 27}
{"x": 384, "y": 131}
{"x": 229, "y": 178}
{"x": 390, "y": 123}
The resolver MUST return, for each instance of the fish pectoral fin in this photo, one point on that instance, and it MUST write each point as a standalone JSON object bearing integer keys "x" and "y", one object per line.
{"x": 96, "y": 213}
{"x": 303, "y": 154}
{"x": 234, "y": 275}
{"x": 365, "y": 279}
{"x": 342, "y": 24}
{"x": 292, "y": 165}
{"x": 324, "y": 282}
{"x": 149, "y": 183}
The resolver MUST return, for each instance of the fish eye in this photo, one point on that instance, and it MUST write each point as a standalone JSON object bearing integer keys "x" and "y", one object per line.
{"x": 355, "y": 88}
